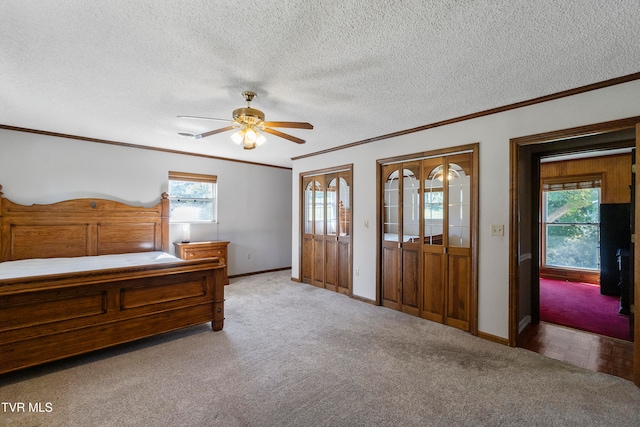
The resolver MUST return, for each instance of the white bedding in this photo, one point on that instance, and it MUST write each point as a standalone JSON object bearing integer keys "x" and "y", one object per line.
{"x": 42, "y": 266}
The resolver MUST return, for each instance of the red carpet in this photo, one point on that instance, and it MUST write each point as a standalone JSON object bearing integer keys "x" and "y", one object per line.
{"x": 581, "y": 306}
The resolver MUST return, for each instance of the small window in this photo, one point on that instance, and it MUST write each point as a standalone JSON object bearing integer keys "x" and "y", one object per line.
{"x": 571, "y": 223}
{"x": 192, "y": 197}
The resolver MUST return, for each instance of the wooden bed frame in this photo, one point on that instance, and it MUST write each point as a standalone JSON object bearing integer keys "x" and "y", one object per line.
{"x": 59, "y": 315}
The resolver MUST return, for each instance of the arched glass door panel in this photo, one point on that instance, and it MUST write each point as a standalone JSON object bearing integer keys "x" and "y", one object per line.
{"x": 410, "y": 207}
{"x": 318, "y": 208}
{"x": 332, "y": 208}
{"x": 344, "y": 195}
{"x": 459, "y": 187}
{"x": 391, "y": 207}
{"x": 308, "y": 208}
{"x": 434, "y": 205}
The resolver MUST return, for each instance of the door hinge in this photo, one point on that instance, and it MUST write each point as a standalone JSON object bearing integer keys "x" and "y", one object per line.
{"x": 633, "y": 168}
{"x": 633, "y": 238}
{"x": 444, "y": 249}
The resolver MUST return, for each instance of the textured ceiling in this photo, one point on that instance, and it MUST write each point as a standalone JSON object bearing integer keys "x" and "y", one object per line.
{"x": 122, "y": 70}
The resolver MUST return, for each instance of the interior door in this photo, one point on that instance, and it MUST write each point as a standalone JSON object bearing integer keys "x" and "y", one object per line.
{"x": 308, "y": 184}
{"x": 331, "y": 233}
{"x": 433, "y": 248}
{"x": 411, "y": 236}
{"x": 458, "y": 240}
{"x": 391, "y": 232}
{"x": 319, "y": 225}
{"x": 446, "y": 249}
{"x": 313, "y": 231}
{"x": 401, "y": 267}
{"x": 326, "y": 230}
{"x": 428, "y": 217}
{"x": 344, "y": 232}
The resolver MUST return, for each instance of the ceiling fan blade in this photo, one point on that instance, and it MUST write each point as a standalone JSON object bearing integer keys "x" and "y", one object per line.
{"x": 204, "y": 118}
{"x": 297, "y": 125}
{"x": 284, "y": 135}
{"x": 213, "y": 132}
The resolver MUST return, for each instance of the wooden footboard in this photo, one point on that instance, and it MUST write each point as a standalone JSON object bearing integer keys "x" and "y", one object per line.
{"x": 52, "y": 317}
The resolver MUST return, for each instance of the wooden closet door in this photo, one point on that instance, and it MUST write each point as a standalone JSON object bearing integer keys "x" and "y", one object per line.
{"x": 401, "y": 237}
{"x": 307, "y": 230}
{"x": 391, "y": 232}
{"x": 433, "y": 248}
{"x": 326, "y": 230}
{"x": 331, "y": 233}
{"x": 447, "y": 262}
{"x": 319, "y": 226}
{"x": 459, "y": 268}
{"x": 313, "y": 231}
{"x": 344, "y": 232}
{"x": 410, "y": 245}
{"x": 429, "y": 218}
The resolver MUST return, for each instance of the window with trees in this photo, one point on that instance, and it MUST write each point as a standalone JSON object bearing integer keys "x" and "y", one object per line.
{"x": 571, "y": 223}
{"x": 192, "y": 197}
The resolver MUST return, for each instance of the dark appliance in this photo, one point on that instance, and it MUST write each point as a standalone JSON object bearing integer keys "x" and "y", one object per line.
{"x": 615, "y": 235}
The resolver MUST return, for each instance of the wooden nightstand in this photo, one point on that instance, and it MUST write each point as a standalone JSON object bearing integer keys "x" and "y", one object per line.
{"x": 197, "y": 250}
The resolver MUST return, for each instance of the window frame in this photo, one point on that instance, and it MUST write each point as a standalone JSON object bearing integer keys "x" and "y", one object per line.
{"x": 575, "y": 182}
{"x": 201, "y": 178}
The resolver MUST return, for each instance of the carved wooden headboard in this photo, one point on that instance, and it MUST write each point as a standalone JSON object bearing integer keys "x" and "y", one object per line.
{"x": 81, "y": 227}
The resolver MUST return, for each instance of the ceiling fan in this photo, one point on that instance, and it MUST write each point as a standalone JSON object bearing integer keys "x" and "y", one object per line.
{"x": 249, "y": 123}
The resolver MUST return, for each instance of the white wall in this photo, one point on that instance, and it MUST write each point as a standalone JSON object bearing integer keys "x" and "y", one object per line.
{"x": 493, "y": 133}
{"x": 254, "y": 207}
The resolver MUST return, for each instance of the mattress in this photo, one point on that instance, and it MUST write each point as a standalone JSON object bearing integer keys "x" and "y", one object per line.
{"x": 47, "y": 266}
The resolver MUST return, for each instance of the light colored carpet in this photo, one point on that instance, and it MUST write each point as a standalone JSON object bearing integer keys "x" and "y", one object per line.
{"x": 294, "y": 355}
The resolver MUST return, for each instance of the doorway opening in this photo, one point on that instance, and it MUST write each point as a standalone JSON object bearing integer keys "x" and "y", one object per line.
{"x": 584, "y": 239}
{"x": 525, "y": 238}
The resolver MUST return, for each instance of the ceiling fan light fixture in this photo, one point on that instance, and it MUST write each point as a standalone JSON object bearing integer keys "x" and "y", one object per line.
{"x": 252, "y": 138}
{"x": 250, "y": 135}
{"x": 238, "y": 137}
{"x": 249, "y": 124}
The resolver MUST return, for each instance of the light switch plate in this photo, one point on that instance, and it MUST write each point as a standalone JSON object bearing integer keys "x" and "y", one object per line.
{"x": 497, "y": 230}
